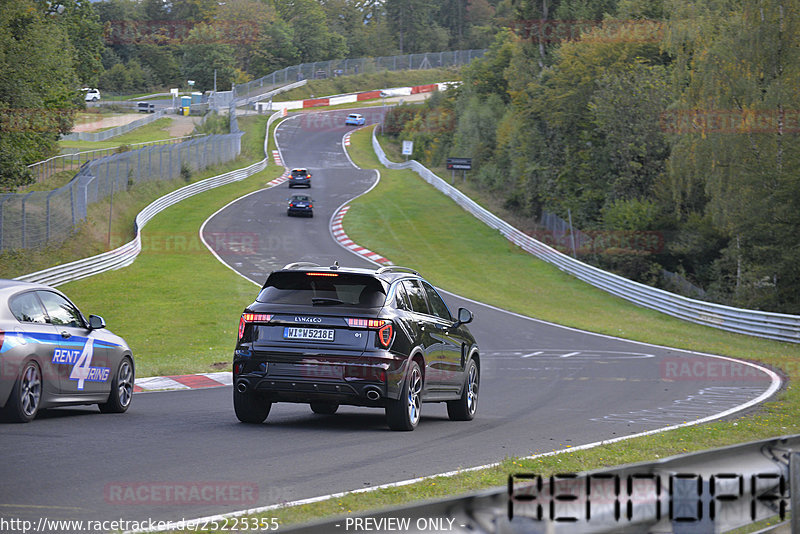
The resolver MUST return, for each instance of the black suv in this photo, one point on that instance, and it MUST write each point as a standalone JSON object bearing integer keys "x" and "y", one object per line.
{"x": 328, "y": 336}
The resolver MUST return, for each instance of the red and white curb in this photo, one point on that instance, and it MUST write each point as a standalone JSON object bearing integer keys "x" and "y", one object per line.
{"x": 338, "y": 233}
{"x": 347, "y": 140}
{"x": 198, "y": 381}
{"x": 276, "y": 157}
{"x": 279, "y": 180}
{"x": 351, "y": 98}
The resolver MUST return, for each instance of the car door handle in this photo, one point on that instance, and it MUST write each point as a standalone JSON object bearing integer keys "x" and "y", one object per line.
{"x": 66, "y": 335}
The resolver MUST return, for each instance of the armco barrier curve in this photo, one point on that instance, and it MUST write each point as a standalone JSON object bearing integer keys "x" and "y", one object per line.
{"x": 778, "y": 326}
{"x": 127, "y": 253}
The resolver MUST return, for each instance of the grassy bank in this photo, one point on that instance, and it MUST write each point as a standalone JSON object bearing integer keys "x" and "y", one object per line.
{"x": 397, "y": 220}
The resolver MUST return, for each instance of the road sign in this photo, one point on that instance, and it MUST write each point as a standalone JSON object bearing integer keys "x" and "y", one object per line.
{"x": 408, "y": 148}
{"x": 459, "y": 164}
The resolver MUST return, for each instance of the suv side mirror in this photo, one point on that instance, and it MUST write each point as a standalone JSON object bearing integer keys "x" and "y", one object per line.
{"x": 464, "y": 316}
{"x": 96, "y": 322}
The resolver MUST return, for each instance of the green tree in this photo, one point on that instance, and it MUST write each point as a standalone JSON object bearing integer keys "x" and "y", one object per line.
{"x": 312, "y": 36}
{"x": 38, "y": 88}
{"x": 162, "y": 62}
{"x": 415, "y": 26}
{"x": 242, "y": 22}
{"x": 82, "y": 25}
{"x": 203, "y": 53}
{"x": 626, "y": 107}
{"x": 275, "y": 48}
{"x": 739, "y": 77}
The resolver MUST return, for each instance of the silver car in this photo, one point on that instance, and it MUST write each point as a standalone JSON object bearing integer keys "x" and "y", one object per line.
{"x": 51, "y": 355}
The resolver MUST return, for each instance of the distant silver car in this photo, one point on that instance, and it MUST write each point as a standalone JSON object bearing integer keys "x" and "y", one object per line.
{"x": 51, "y": 355}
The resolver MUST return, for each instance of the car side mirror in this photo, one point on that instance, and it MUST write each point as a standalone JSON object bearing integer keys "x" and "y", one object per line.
{"x": 464, "y": 316}
{"x": 96, "y": 322}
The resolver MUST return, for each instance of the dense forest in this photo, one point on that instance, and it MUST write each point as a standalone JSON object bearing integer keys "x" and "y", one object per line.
{"x": 149, "y": 43}
{"x": 667, "y": 131}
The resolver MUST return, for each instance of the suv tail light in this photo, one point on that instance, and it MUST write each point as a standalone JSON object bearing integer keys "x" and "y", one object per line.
{"x": 385, "y": 329}
{"x": 252, "y": 318}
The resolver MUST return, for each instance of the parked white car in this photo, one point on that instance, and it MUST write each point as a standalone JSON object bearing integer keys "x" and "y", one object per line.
{"x": 91, "y": 95}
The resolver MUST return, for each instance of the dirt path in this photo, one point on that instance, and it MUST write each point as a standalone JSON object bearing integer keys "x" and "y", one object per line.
{"x": 182, "y": 125}
{"x": 106, "y": 122}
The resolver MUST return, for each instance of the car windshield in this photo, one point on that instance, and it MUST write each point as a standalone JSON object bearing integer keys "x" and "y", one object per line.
{"x": 300, "y": 198}
{"x": 323, "y": 289}
{"x": 299, "y": 172}
{"x": 353, "y": 116}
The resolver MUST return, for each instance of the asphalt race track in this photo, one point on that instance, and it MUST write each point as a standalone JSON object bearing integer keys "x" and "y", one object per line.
{"x": 543, "y": 387}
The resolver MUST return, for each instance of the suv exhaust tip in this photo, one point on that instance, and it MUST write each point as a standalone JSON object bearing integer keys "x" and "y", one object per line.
{"x": 241, "y": 386}
{"x": 373, "y": 393}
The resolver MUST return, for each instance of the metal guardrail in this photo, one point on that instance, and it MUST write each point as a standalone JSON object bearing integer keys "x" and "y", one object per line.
{"x": 343, "y": 67}
{"x": 117, "y": 130}
{"x": 778, "y": 326}
{"x": 705, "y": 492}
{"x": 127, "y": 253}
{"x": 269, "y": 94}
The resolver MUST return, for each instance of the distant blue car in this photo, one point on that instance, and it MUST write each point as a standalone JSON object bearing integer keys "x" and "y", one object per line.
{"x": 300, "y": 205}
{"x": 355, "y": 119}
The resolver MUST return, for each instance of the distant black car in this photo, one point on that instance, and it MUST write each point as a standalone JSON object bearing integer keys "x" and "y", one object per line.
{"x": 300, "y": 205}
{"x": 300, "y": 177}
{"x": 329, "y": 336}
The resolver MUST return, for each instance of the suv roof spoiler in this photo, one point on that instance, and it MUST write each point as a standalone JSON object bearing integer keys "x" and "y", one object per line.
{"x": 390, "y": 268}
{"x": 300, "y": 265}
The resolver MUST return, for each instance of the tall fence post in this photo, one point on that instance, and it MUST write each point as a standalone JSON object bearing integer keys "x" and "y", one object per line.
{"x": 2, "y": 202}
{"x": 24, "y": 221}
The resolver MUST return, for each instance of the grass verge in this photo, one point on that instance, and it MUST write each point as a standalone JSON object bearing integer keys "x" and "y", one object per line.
{"x": 395, "y": 220}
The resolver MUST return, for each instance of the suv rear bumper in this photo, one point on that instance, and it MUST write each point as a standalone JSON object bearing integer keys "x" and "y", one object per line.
{"x": 354, "y": 380}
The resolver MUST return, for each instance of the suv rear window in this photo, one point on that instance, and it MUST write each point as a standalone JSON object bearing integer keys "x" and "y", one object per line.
{"x": 299, "y": 172}
{"x": 323, "y": 289}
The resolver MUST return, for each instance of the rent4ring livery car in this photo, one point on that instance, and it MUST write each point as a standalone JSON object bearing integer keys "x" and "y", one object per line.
{"x": 329, "y": 336}
{"x": 51, "y": 355}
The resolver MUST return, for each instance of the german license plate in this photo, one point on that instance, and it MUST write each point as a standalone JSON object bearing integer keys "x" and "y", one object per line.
{"x": 314, "y": 334}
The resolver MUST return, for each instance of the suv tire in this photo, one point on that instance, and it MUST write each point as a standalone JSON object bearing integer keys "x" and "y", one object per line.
{"x": 464, "y": 408}
{"x": 403, "y": 414}
{"x": 250, "y": 408}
